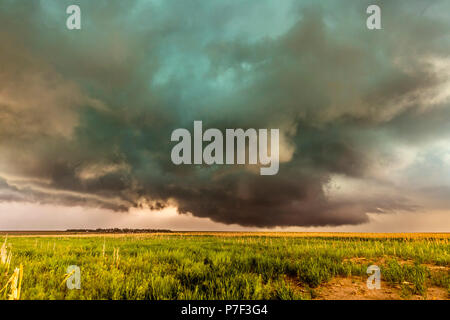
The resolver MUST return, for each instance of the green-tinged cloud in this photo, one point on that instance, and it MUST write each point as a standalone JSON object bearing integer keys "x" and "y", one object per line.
{"x": 86, "y": 115}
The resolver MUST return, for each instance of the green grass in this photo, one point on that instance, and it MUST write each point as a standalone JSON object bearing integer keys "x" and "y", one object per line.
{"x": 175, "y": 266}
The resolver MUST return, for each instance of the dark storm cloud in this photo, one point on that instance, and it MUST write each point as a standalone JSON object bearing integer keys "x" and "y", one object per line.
{"x": 86, "y": 116}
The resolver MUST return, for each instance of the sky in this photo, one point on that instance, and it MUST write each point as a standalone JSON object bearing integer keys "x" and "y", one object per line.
{"x": 86, "y": 115}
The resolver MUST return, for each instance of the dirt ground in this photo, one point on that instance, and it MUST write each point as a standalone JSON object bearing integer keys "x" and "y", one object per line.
{"x": 355, "y": 288}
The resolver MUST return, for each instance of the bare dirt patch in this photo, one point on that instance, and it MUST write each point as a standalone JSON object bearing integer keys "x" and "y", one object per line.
{"x": 355, "y": 288}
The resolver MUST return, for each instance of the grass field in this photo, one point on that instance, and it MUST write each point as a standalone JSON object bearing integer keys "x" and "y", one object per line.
{"x": 226, "y": 266}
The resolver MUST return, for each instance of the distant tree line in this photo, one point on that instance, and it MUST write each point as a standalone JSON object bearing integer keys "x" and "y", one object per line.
{"x": 118, "y": 230}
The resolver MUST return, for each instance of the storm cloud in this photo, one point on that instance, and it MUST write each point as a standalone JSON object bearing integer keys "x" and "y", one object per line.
{"x": 86, "y": 115}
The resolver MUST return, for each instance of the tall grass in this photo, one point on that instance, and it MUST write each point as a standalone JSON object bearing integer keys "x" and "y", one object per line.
{"x": 220, "y": 266}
